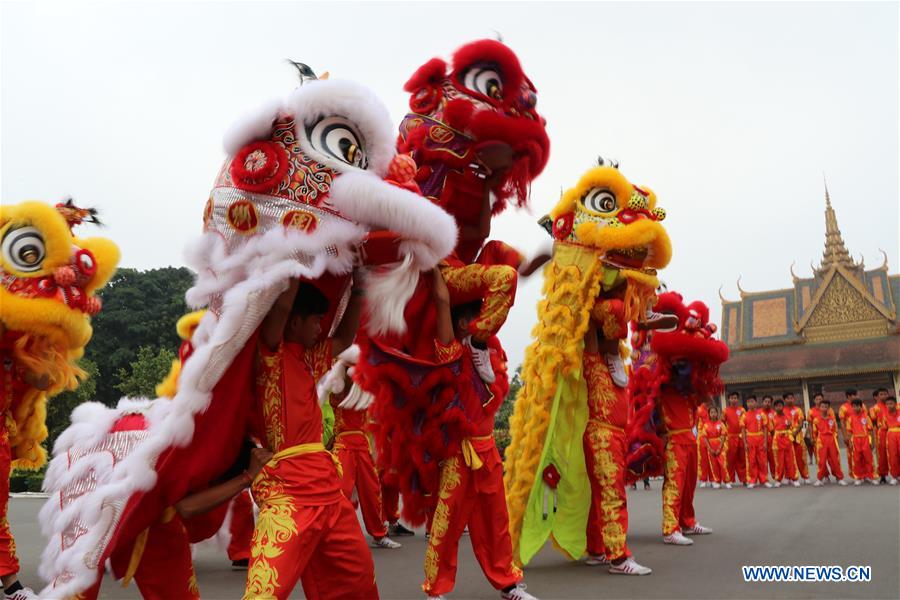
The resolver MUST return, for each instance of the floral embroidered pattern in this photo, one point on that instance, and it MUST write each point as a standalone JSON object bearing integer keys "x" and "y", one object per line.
{"x": 450, "y": 480}
{"x": 268, "y": 385}
{"x": 670, "y": 493}
{"x": 274, "y": 526}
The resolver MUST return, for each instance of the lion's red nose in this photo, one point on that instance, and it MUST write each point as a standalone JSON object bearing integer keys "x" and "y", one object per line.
{"x": 402, "y": 173}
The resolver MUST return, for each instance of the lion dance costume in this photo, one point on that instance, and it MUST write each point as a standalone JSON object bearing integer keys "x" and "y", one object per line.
{"x": 673, "y": 373}
{"x": 305, "y": 181}
{"x": 48, "y": 277}
{"x": 475, "y": 134}
{"x": 568, "y": 428}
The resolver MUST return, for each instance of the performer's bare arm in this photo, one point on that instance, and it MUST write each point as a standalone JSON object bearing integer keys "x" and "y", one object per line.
{"x": 208, "y": 499}
{"x": 590, "y": 338}
{"x": 346, "y": 331}
{"x": 272, "y": 330}
{"x": 442, "y": 305}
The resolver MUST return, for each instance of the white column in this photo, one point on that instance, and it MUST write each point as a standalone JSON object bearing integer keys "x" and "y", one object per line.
{"x": 805, "y": 389}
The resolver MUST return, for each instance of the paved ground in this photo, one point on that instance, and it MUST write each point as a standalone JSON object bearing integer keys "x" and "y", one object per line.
{"x": 806, "y": 526}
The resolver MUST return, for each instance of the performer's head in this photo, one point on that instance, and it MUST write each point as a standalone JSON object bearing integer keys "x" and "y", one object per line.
{"x": 823, "y": 404}
{"x": 713, "y": 413}
{"x": 779, "y": 405}
{"x": 462, "y": 315}
{"x": 851, "y": 395}
{"x": 891, "y": 403}
{"x": 751, "y": 402}
{"x": 305, "y": 325}
{"x": 788, "y": 399}
{"x": 767, "y": 402}
{"x": 880, "y": 394}
{"x": 857, "y": 405}
{"x": 734, "y": 399}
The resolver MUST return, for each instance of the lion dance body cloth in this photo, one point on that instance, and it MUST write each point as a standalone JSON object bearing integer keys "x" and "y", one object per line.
{"x": 306, "y": 180}
{"x": 568, "y": 428}
{"x": 48, "y": 277}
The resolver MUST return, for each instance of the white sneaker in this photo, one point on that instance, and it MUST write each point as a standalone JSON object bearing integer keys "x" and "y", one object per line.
{"x": 818, "y": 483}
{"x": 596, "y": 560}
{"x": 616, "y": 368}
{"x": 702, "y": 485}
{"x": 698, "y": 529}
{"x": 777, "y": 484}
{"x": 677, "y": 539}
{"x": 767, "y": 484}
{"x": 892, "y": 481}
{"x": 874, "y": 481}
{"x": 857, "y": 482}
{"x": 809, "y": 481}
{"x": 436, "y": 598}
{"x": 842, "y": 482}
{"x": 23, "y": 594}
{"x": 750, "y": 486}
{"x": 517, "y": 593}
{"x": 796, "y": 483}
{"x": 385, "y": 542}
{"x": 727, "y": 486}
{"x": 481, "y": 358}
{"x": 629, "y": 567}
{"x": 716, "y": 486}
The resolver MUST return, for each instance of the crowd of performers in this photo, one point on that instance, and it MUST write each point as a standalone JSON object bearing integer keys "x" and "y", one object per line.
{"x": 344, "y": 355}
{"x": 749, "y": 443}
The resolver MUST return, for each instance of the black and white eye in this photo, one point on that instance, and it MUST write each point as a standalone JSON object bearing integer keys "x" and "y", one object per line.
{"x": 336, "y": 137}
{"x": 600, "y": 200}
{"x": 484, "y": 80}
{"x": 24, "y": 249}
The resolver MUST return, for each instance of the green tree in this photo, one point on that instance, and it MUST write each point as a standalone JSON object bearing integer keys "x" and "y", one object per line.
{"x": 501, "y": 419}
{"x": 140, "y": 308}
{"x": 146, "y": 372}
{"x": 60, "y": 407}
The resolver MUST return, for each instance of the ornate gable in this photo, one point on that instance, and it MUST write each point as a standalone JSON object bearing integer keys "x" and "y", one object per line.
{"x": 843, "y": 309}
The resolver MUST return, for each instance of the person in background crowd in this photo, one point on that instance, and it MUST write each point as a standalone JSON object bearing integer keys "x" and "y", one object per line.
{"x": 892, "y": 438}
{"x": 859, "y": 431}
{"x": 781, "y": 429}
{"x": 798, "y": 422}
{"x": 770, "y": 452}
{"x": 824, "y": 430}
{"x": 714, "y": 436}
{"x": 735, "y": 462}
{"x": 754, "y": 424}
{"x": 843, "y": 413}
{"x": 702, "y": 456}
{"x": 876, "y": 413}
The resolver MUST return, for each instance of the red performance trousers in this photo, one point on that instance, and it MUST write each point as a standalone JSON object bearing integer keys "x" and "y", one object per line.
{"x": 9, "y": 564}
{"x": 471, "y": 495}
{"x": 604, "y": 452}
{"x": 863, "y": 467}
{"x": 352, "y": 450}
{"x": 678, "y": 487}
{"x": 757, "y": 470}
{"x": 828, "y": 457}
{"x": 735, "y": 460}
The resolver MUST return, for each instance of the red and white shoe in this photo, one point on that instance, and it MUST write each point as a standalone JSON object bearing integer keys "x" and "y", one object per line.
{"x": 677, "y": 538}
{"x": 596, "y": 560}
{"x": 481, "y": 358}
{"x": 697, "y": 529}
{"x": 22, "y": 594}
{"x": 517, "y": 593}
{"x": 629, "y": 567}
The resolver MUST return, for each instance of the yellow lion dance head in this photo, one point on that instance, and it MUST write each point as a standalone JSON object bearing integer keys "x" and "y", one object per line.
{"x": 48, "y": 278}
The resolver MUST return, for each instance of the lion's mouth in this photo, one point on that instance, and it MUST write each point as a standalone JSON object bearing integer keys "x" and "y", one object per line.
{"x": 72, "y": 295}
{"x": 628, "y": 258}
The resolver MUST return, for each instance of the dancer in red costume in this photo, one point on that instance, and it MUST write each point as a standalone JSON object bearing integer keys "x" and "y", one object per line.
{"x": 770, "y": 454}
{"x": 892, "y": 419}
{"x": 702, "y": 449}
{"x": 877, "y": 415}
{"x": 782, "y": 429}
{"x": 859, "y": 431}
{"x": 798, "y": 420}
{"x": 714, "y": 441}
{"x": 471, "y": 482}
{"x": 825, "y": 431}
{"x": 307, "y": 529}
{"x": 735, "y": 462}
{"x": 754, "y": 428}
{"x": 350, "y": 443}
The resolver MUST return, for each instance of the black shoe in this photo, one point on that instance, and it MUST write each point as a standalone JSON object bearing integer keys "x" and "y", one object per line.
{"x": 646, "y": 485}
{"x": 634, "y": 486}
{"x": 240, "y": 565}
{"x": 398, "y": 530}
{"x": 882, "y": 480}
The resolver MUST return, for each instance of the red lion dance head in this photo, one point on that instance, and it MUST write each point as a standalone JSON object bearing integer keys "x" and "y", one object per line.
{"x": 685, "y": 360}
{"x": 469, "y": 119}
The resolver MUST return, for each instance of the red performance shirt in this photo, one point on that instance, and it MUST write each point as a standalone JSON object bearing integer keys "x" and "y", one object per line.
{"x": 702, "y": 419}
{"x": 288, "y": 410}
{"x": 754, "y": 422}
{"x": 892, "y": 420}
{"x": 781, "y": 425}
{"x": 733, "y": 419}
{"x": 678, "y": 416}
{"x": 349, "y": 426}
{"x": 714, "y": 431}
{"x": 877, "y": 413}
{"x": 824, "y": 427}
{"x": 859, "y": 425}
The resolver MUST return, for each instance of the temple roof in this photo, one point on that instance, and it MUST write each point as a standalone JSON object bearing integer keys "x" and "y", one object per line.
{"x": 836, "y": 252}
{"x": 795, "y": 361}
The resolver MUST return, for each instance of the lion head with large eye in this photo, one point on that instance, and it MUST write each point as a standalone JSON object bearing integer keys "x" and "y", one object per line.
{"x": 608, "y": 213}
{"x": 470, "y": 119}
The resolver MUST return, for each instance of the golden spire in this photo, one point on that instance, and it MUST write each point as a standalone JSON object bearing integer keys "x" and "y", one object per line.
{"x": 835, "y": 251}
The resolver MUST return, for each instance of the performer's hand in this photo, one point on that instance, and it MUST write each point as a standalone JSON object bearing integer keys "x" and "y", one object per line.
{"x": 534, "y": 264}
{"x": 441, "y": 292}
{"x": 258, "y": 459}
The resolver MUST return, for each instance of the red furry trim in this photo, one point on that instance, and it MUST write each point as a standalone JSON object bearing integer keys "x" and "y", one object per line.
{"x": 458, "y": 113}
{"x": 491, "y": 51}
{"x": 644, "y": 457}
{"x": 696, "y": 349}
{"x": 431, "y": 72}
{"x": 265, "y": 173}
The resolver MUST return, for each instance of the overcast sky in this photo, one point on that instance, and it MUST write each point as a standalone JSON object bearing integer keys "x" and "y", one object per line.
{"x": 731, "y": 112}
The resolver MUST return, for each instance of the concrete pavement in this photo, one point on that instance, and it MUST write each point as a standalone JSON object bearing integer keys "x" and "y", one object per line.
{"x": 788, "y": 526}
